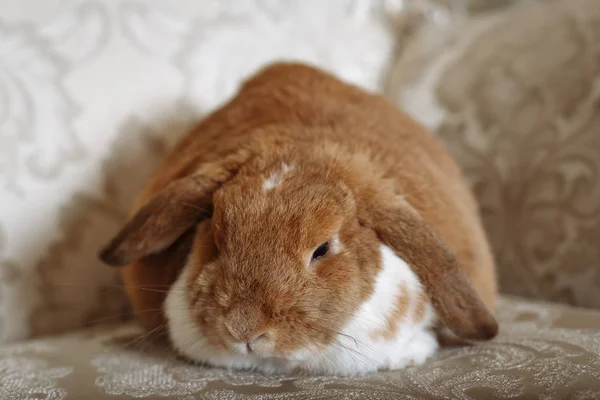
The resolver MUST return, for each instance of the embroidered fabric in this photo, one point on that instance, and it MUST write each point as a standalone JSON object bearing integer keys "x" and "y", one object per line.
{"x": 543, "y": 351}
{"x": 515, "y": 96}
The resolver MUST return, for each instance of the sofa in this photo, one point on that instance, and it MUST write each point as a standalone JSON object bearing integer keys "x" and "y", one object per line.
{"x": 92, "y": 93}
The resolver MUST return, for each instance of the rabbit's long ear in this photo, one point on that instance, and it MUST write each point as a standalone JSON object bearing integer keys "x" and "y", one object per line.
{"x": 456, "y": 303}
{"x": 168, "y": 215}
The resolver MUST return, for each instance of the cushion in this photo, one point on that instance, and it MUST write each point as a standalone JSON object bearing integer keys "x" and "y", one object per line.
{"x": 514, "y": 94}
{"x": 543, "y": 351}
{"x": 91, "y": 94}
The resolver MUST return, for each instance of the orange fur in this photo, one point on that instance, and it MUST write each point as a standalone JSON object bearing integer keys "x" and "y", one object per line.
{"x": 359, "y": 168}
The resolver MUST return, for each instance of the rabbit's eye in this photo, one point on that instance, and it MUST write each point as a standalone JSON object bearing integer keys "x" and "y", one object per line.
{"x": 321, "y": 251}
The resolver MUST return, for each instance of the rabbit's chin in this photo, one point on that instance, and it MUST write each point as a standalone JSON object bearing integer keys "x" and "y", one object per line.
{"x": 390, "y": 331}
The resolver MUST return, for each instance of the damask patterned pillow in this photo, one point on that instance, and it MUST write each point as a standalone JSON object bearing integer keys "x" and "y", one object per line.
{"x": 91, "y": 95}
{"x": 515, "y": 96}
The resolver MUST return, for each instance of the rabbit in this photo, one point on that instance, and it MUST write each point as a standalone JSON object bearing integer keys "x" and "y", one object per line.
{"x": 307, "y": 226}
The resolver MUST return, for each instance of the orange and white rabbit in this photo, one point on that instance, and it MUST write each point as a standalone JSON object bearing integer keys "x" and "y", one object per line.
{"x": 308, "y": 226}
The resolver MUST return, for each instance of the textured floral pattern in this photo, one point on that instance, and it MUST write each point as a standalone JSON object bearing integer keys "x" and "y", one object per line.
{"x": 25, "y": 377}
{"x": 93, "y": 91}
{"x": 138, "y": 375}
{"x": 543, "y": 352}
{"x": 523, "y": 120}
{"x": 245, "y": 43}
{"x": 39, "y": 139}
{"x": 34, "y": 109}
{"x": 533, "y": 348}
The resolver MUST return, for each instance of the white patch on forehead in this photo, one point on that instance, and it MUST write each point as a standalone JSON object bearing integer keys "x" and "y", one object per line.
{"x": 271, "y": 182}
{"x": 276, "y": 178}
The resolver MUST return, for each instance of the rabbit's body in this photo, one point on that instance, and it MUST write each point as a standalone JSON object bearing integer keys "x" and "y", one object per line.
{"x": 298, "y": 153}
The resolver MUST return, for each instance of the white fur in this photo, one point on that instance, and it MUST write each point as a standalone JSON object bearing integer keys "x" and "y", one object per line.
{"x": 354, "y": 351}
{"x": 271, "y": 182}
{"x": 276, "y": 178}
{"x": 413, "y": 343}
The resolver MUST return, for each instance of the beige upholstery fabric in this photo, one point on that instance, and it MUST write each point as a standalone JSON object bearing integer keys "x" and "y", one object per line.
{"x": 109, "y": 84}
{"x": 543, "y": 351}
{"x": 515, "y": 96}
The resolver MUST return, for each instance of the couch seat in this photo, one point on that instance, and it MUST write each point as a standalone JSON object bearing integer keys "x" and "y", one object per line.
{"x": 544, "y": 351}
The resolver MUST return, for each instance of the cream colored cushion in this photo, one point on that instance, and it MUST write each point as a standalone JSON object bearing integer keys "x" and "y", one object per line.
{"x": 543, "y": 352}
{"x": 515, "y": 96}
{"x": 91, "y": 92}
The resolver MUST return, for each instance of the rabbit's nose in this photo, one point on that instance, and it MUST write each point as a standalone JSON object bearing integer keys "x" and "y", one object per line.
{"x": 244, "y": 324}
